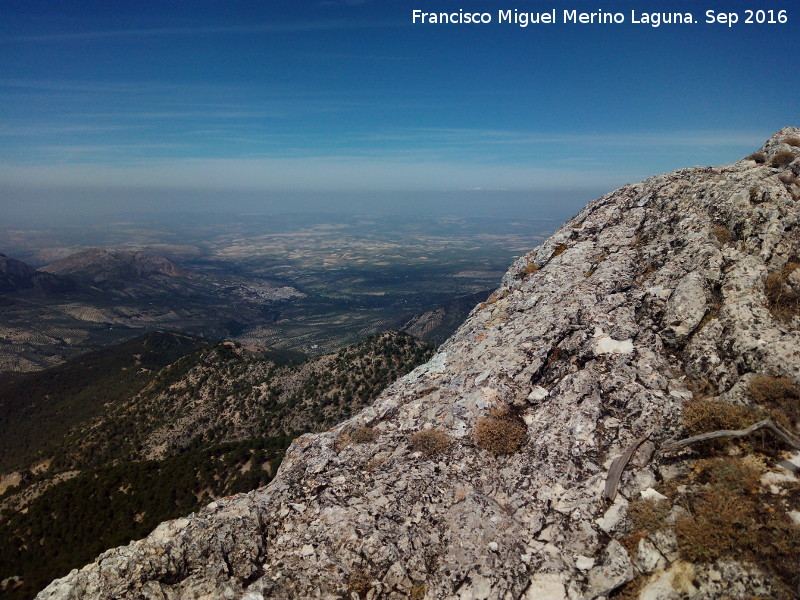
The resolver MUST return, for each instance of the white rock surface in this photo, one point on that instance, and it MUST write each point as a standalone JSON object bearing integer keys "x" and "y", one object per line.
{"x": 651, "y": 494}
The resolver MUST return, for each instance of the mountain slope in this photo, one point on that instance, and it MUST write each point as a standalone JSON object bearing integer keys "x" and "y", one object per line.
{"x": 228, "y": 394}
{"x": 482, "y": 474}
{"x": 37, "y": 409}
{"x": 144, "y": 444}
{"x": 435, "y": 326}
{"x": 16, "y": 275}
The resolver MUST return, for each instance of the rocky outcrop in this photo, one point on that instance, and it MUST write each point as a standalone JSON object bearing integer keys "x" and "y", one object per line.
{"x": 435, "y": 326}
{"x": 595, "y": 341}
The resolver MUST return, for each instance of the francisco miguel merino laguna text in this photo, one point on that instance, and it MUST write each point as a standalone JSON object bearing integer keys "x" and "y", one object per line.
{"x": 523, "y": 19}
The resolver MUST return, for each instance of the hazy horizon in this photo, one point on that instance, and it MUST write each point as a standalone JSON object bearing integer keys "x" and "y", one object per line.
{"x": 349, "y": 105}
{"x": 107, "y": 206}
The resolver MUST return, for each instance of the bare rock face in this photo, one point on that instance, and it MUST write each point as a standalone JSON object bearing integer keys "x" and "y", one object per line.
{"x": 591, "y": 341}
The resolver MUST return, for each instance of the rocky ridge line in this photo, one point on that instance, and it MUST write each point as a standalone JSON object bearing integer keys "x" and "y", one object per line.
{"x": 594, "y": 340}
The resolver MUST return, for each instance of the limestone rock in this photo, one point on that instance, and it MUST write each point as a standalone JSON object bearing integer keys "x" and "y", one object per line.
{"x": 615, "y": 571}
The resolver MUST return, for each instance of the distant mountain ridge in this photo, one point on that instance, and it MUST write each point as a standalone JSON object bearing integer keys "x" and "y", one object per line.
{"x": 101, "y": 266}
{"x": 99, "y": 297}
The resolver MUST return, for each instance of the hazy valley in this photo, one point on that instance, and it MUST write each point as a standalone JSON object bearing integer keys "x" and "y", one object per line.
{"x": 300, "y": 282}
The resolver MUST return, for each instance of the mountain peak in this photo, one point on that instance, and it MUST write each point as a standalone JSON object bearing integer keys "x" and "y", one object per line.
{"x": 787, "y": 141}
{"x": 513, "y": 463}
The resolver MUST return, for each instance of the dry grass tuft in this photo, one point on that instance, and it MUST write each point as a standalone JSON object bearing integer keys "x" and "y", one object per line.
{"x": 792, "y": 141}
{"x": 702, "y": 416}
{"x": 363, "y": 435}
{"x": 502, "y": 432}
{"x": 722, "y": 233}
{"x": 342, "y": 441}
{"x": 781, "y": 159}
{"x": 759, "y": 157}
{"x": 788, "y": 178}
{"x": 716, "y": 528}
{"x": 756, "y": 195}
{"x": 531, "y": 268}
{"x": 359, "y": 582}
{"x": 701, "y": 388}
{"x": 727, "y": 514}
{"x": 430, "y": 442}
{"x": 777, "y": 393}
{"x": 559, "y": 250}
{"x": 721, "y": 515}
{"x": 495, "y": 296}
{"x": 782, "y": 300}
{"x": 646, "y": 516}
{"x": 729, "y": 517}
{"x": 728, "y": 475}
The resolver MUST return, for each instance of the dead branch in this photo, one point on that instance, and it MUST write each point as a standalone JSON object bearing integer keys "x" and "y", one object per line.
{"x": 618, "y": 466}
{"x": 779, "y": 432}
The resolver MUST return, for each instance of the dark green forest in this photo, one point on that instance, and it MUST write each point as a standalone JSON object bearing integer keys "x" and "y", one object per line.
{"x": 76, "y": 520}
{"x": 37, "y": 409}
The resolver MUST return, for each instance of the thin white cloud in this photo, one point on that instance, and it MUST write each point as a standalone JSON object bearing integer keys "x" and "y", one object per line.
{"x": 45, "y": 130}
{"x": 149, "y": 100}
{"x": 277, "y": 28}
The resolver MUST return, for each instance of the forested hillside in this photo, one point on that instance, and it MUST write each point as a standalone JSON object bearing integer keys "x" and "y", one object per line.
{"x": 134, "y": 444}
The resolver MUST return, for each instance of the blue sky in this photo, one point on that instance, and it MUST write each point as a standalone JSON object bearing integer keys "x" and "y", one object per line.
{"x": 280, "y": 105}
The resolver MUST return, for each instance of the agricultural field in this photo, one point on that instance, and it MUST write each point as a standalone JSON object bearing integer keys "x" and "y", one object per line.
{"x": 298, "y": 282}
